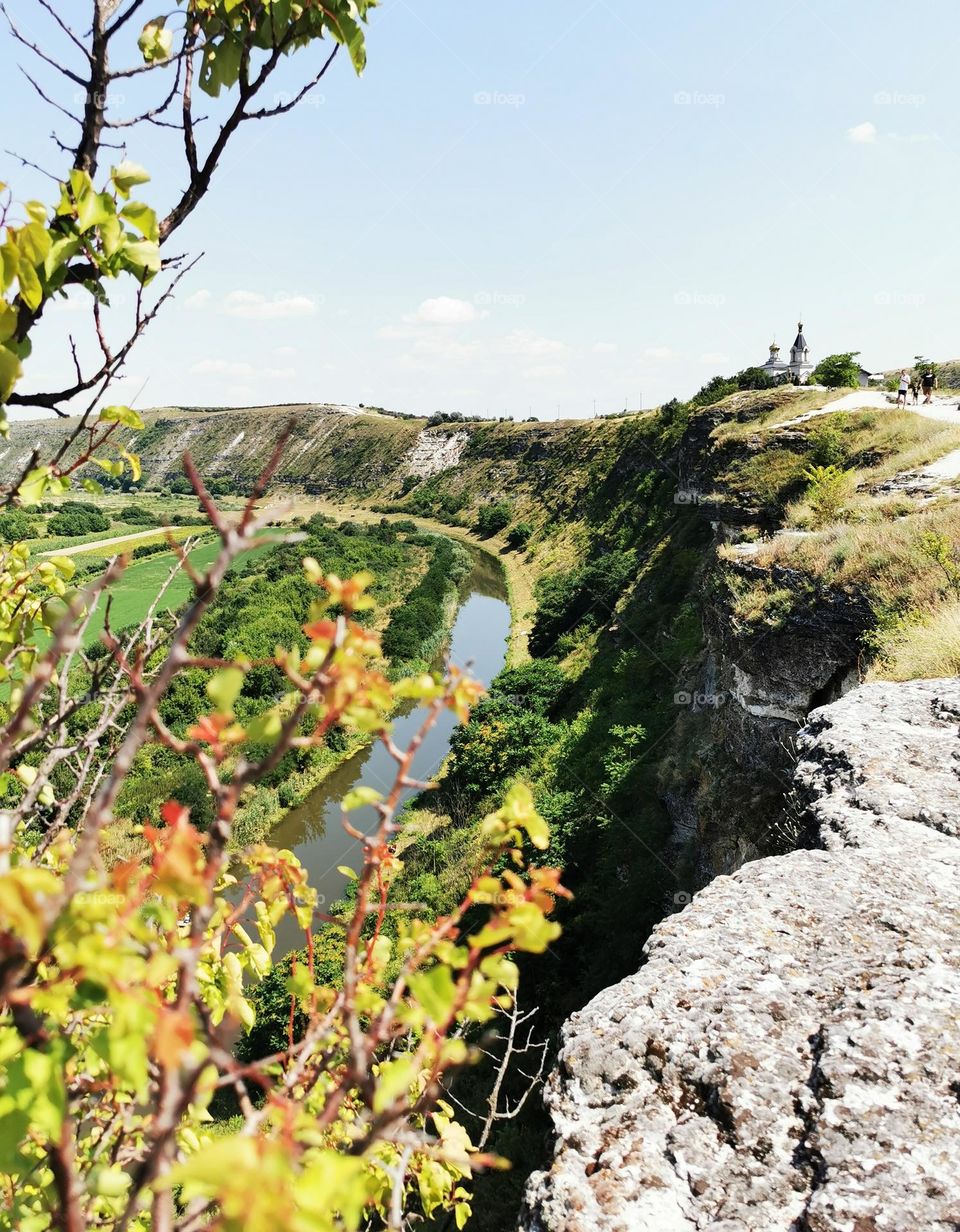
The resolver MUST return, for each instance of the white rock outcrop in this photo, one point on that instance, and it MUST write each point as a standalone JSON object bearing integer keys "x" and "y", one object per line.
{"x": 788, "y": 1058}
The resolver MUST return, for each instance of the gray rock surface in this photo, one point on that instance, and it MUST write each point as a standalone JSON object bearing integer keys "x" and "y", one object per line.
{"x": 788, "y": 1058}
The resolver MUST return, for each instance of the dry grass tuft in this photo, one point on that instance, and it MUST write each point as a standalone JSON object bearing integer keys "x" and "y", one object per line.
{"x": 928, "y": 648}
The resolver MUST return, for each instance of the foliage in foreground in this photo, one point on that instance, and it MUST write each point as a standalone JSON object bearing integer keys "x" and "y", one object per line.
{"x": 122, "y": 985}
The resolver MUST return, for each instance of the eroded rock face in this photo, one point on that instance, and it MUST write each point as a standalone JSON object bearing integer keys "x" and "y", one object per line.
{"x": 788, "y": 1058}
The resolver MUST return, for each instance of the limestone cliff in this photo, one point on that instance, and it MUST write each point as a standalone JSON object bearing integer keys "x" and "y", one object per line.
{"x": 788, "y": 1058}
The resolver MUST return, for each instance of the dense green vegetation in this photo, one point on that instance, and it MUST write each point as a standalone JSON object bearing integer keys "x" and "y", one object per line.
{"x": 78, "y": 518}
{"x": 416, "y": 627}
{"x": 16, "y": 524}
{"x": 265, "y": 603}
{"x": 841, "y": 371}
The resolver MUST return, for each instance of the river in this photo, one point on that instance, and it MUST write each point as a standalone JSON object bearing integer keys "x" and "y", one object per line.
{"x": 313, "y": 830}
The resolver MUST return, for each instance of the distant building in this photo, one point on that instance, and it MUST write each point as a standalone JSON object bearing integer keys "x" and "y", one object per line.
{"x": 799, "y": 367}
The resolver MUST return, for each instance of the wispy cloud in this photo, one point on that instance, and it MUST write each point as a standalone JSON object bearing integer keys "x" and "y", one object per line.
{"x": 445, "y": 310}
{"x": 252, "y": 306}
{"x": 863, "y": 134}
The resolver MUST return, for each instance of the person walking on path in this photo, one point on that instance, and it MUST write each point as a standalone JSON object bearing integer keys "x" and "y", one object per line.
{"x": 904, "y": 386}
{"x": 915, "y": 388}
{"x": 929, "y": 384}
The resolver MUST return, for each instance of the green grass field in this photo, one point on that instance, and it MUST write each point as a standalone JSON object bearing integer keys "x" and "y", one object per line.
{"x": 137, "y": 589}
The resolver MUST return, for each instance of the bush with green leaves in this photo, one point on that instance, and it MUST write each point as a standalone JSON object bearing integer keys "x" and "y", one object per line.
{"x": 417, "y": 625}
{"x": 519, "y": 536}
{"x": 78, "y": 518}
{"x": 16, "y": 525}
{"x": 493, "y": 518}
{"x": 137, "y": 515}
{"x": 840, "y": 371}
{"x": 829, "y": 488}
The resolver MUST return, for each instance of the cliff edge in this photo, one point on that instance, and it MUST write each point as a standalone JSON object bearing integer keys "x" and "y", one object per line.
{"x": 788, "y": 1057}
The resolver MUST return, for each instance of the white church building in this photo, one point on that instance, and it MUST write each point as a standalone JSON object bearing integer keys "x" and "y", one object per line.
{"x": 798, "y": 368}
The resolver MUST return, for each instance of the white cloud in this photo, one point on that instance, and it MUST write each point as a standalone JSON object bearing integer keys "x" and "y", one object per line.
{"x": 280, "y": 374}
{"x": 444, "y": 310}
{"x": 222, "y": 367}
{"x": 604, "y": 348}
{"x": 285, "y": 350}
{"x": 661, "y": 353}
{"x": 252, "y": 306}
{"x": 198, "y": 299}
{"x": 714, "y": 357}
{"x": 522, "y": 342}
{"x": 863, "y": 134}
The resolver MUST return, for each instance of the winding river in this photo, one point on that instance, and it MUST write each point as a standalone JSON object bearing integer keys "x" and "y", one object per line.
{"x": 312, "y": 830}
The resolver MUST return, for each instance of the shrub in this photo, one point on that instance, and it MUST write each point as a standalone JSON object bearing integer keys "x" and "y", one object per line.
{"x": 78, "y": 518}
{"x": 136, "y": 515}
{"x": 16, "y": 524}
{"x": 518, "y": 536}
{"x": 493, "y": 518}
{"x": 829, "y": 490}
{"x": 828, "y": 446}
{"x": 841, "y": 371}
{"x": 149, "y": 549}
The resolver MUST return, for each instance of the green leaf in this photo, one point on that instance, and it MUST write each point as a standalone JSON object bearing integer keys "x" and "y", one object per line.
{"x": 10, "y": 372}
{"x": 143, "y": 257}
{"x": 34, "y": 484}
{"x": 93, "y": 209}
{"x": 348, "y": 872}
{"x": 8, "y": 320}
{"x": 265, "y": 727}
{"x": 121, "y": 414}
{"x": 360, "y": 796}
{"x": 61, "y": 251}
{"x": 393, "y": 1080}
{"x": 223, "y": 688}
{"x": 127, "y": 176}
{"x": 435, "y": 991}
{"x": 155, "y": 41}
{"x": 221, "y": 66}
{"x": 143, "y": 218}
{"x": 133, "y": 461}
{"x": 34, "y": 242}
{"x": 347, "y": 31}
{"x": 30, "y": 290}
{"x": 91, "y": 485}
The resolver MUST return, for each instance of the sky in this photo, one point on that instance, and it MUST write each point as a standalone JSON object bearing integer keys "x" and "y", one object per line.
{"x": 550, "y": 208}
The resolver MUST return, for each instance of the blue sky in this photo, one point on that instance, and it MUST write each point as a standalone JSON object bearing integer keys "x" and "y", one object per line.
{"x": 535, "y": 205}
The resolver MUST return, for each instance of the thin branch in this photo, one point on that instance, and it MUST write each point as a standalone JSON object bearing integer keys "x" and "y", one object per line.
{"x": 40, "y": 54}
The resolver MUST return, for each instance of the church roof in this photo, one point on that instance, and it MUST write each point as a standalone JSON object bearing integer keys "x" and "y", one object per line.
{"x": 801, "y": 342}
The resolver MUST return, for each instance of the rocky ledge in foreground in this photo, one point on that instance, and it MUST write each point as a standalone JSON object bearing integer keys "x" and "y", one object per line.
{"x": 788, "y": 1058}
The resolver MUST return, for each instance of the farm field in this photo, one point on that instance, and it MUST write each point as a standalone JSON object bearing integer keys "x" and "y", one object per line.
{"x": 135, "y": 591}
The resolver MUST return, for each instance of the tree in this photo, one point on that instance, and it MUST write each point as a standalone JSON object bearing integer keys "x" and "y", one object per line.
{"x": 519, "y": 536}
{"x": 122, "y": 984}
{"x": 494, "y": 518}
{"x": 16, "y": 524}
{"x": 840, "y": 371}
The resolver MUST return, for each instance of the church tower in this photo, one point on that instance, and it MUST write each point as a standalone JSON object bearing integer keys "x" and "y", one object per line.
{"x": 799, "y": 351}
{"x": 800, "y": 366}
